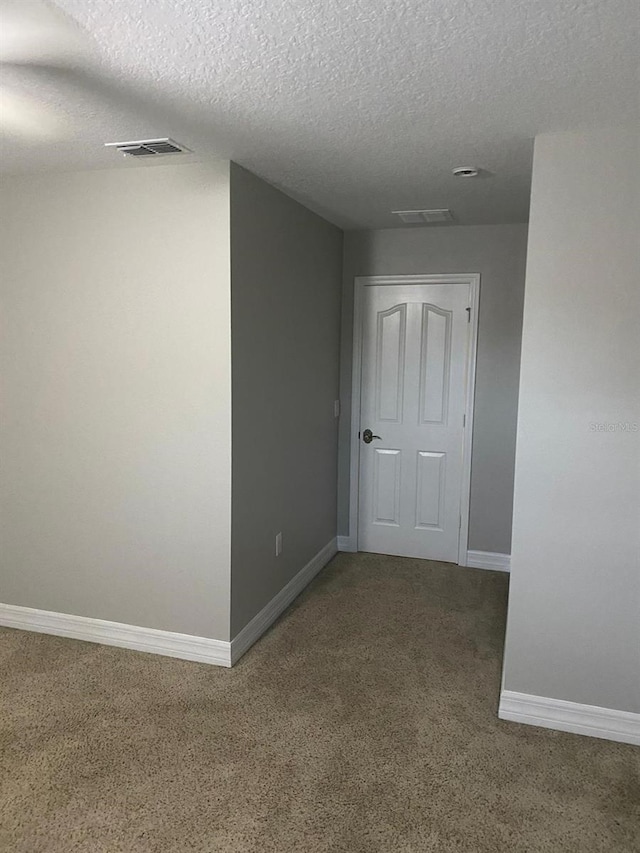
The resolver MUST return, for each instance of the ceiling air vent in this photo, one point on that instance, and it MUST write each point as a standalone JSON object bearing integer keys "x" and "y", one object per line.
{"x": 149, "y": 147}
{"x": 425, "y": 217}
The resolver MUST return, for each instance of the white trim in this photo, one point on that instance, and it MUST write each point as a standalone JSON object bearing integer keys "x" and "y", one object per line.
{"x": 152, "y": 640}
{"x": 252, "y": 632}
{"x": 346, "y": 543}
{"x": 472, "y": 353}
{"x": 184, "y": 646}
{"x": 488, "y": 560}
{"x": 607, "y": 723}
{"x": 472, "y": 280}
{"x": 356, "y": 393}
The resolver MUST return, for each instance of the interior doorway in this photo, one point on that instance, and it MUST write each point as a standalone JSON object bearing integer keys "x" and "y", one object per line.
{"x": 412, "y": 414}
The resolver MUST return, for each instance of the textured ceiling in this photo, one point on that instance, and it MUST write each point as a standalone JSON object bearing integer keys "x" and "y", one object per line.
{"x": 355, "y": 107}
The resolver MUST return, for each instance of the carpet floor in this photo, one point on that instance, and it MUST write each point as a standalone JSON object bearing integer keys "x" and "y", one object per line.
{"x": 364, "y": 721}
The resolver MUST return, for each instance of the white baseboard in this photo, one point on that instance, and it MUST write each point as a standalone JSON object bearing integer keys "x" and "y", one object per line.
{"x": 185, "y": 646}
{"x": 152, "y": 640}
{"x": 607, "y": 723}
{"x": 346, "y": 543}
{"x": 489, "y": 560}
{"x": 475, "y": 559}
{"x": 252, "y": 632}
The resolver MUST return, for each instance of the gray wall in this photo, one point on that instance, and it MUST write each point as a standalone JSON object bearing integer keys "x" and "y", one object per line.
{"x": 498, "y": 253}
{"x": 286, "y": 267}
{"x": 574, "y": 627}
{"x": 116, "y": 401}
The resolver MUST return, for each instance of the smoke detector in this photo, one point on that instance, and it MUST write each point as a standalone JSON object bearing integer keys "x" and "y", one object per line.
{"x": 466, "y": 172}
{"x": 441, "y": 216}
{"x": 149, "y": 147}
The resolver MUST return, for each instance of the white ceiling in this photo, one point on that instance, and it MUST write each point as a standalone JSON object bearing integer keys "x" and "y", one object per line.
{"x": 355, "y": 107}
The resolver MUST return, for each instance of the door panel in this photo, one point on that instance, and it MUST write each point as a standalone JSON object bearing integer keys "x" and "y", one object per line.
{"x": 390, "y": 360}
{"x": 414, "y": 355}
{"x": 431, "y": 476}
{"x": 386, "y": 487}
{"x": 435, "y": 361}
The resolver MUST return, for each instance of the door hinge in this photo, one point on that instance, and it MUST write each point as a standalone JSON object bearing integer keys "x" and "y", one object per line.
{"x": 468, "y": 310}
{"x": 464, "y": 421}
{"x": 460, "y": 523}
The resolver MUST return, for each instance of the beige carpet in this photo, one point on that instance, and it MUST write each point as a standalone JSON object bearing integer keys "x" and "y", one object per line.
{"x": 364, "y": 722}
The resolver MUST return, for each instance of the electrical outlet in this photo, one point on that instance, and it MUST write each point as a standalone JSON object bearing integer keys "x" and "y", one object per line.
{"x": 278, "y": 544}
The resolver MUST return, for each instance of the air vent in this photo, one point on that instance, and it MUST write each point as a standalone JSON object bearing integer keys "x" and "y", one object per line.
{"x": 425, "y": 217}
{"x": 148, "y": 147}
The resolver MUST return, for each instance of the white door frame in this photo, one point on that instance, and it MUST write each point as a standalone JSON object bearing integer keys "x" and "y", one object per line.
{"x": 471, "y": 280}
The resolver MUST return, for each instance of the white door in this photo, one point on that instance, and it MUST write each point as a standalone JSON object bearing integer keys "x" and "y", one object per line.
{"x": 416, "y": 342}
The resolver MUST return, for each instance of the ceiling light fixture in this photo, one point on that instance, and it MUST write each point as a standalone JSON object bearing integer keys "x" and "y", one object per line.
{"x": 466, "y": 172}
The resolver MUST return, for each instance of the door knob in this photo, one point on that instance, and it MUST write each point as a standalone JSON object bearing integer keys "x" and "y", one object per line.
{"x": 368, "y": 436}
